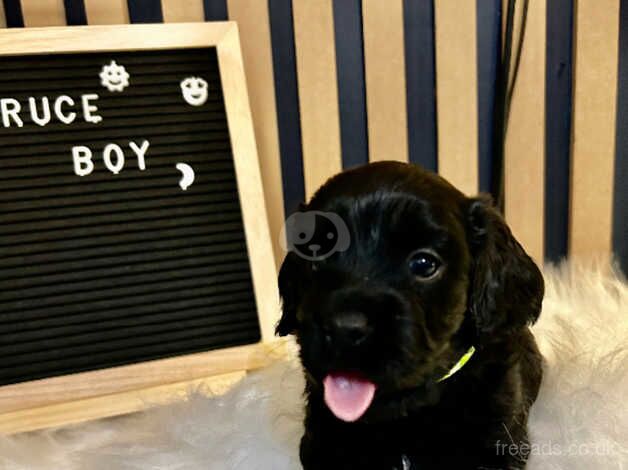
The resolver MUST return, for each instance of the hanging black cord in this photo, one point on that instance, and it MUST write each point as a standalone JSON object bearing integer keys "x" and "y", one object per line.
{"x": 515, "y": 71}
{"x": 503, "y": 99}
{"x": 501, "y": 85}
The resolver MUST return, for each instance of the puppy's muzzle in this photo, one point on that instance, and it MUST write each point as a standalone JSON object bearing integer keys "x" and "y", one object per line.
{"x": 347, "y": 330}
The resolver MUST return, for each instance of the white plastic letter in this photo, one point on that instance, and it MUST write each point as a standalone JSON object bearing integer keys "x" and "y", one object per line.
{"x": 83, "y": 164}
{"x": 64, "y": 118}
{"x": 45, "y": 104}
{"x": 10, "y": 108}
{"x": 141, "y": 153}
{"x": 109, "y": 149}
{"x": 89, "y": 109}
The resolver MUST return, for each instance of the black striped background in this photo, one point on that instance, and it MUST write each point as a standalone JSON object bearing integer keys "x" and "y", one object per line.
{"x": 421, "y": 109}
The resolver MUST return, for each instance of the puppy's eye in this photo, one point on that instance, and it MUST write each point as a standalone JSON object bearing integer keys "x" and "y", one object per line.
{"x": 424, "y": 265}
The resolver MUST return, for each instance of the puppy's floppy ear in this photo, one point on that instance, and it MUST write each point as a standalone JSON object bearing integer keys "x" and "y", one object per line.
{"x": 289, "y": 288}
{"x": 506, "y": 288}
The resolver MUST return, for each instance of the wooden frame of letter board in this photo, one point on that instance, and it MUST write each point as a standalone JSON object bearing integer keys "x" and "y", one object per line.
{"x": 80, "y": 397}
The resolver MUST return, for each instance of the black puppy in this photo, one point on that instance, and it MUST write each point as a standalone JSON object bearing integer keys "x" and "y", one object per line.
{"x": 414, "y": 339}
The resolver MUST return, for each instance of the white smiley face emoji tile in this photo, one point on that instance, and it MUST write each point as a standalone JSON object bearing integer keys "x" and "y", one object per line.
{"x": 195, "y": 91}
{"x": 114, "y": 77}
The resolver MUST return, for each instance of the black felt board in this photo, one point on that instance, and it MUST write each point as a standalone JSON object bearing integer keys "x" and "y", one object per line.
{"x": 110, "y": 269}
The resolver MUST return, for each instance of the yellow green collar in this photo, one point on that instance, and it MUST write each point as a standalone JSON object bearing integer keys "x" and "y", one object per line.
{"x": 458, "y": 365}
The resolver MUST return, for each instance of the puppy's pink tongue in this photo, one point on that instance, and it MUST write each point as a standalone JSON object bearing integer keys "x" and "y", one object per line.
{"x": 348, "y": 396}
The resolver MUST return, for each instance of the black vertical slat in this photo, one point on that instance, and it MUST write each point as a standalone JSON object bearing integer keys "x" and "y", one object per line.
{"x": 75, "y": 14}
{"x": 145, "y": 11}
{"x": 215, "y": 10}
{"x": 287, "y": 99}
{"x": 13, "y": 13}
{"x": 489, "y": 19}
{"x": 620, "y": 196}
{"x": 351, "y": 85}
{"x": 558, "y": 108}
{"x": 421, "y": 82}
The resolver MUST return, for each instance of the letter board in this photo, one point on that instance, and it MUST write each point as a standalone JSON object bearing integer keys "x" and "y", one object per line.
{"x": 122, "y": 236}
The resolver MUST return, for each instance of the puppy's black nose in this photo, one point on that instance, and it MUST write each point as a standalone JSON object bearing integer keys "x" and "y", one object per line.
{"x": 350, "y": 328}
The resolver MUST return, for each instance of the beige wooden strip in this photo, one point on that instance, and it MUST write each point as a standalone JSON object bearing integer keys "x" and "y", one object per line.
{"x": 182, "y": 11}
{"x": 107, "y": 12}
{"x": 3, "y": 18}
{"x": 594, "y": 114}
{"x": 72, "y": 39}
{"x": 318, "y": 90}
{"x": 524, "y": 165}
{"x": 38, "y": 393}
{"x": 43, "y": 13}
{"x": 253, "y": 21}
{"x": 456, "y": 92}
{"x": 78, "y": 411}
{"x": 385, "y": 74}
{"x": 263, "y": 269}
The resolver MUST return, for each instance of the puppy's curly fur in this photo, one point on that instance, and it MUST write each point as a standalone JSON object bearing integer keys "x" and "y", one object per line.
{"x": 485, "y": 292}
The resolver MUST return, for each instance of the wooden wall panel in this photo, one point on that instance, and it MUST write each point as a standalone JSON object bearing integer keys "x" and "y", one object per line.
{"x": 558, "y": 132}
{"x": 421, "y": 83}
{"x": 349, "y": 31}
{"x": 109, "y": 12}
{"x": 3, "y": 20}
{"x": 43, "y": 13}
{"x": 595, "y": 94}
{"x": 318, "y": 90}
{"x": 385, "y": 74}
{"x": 620, "y": 191}
{"x": 457, "y": 92}
{"x": 253, "y": 22}
{"x": 287, "y": 102}
{"x": 178, "y": 11}
{"x": 524, "y": 164}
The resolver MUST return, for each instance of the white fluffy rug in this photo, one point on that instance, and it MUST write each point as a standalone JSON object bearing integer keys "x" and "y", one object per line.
{"x": 579, "y": 422}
